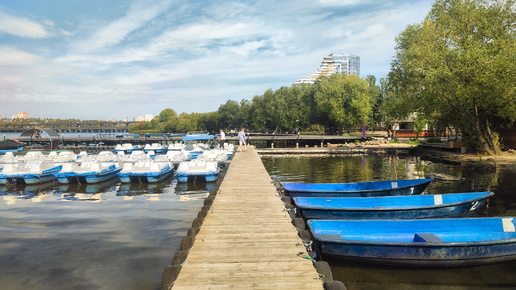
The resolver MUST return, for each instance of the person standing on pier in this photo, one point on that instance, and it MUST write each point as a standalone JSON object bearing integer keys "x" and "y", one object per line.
{"x": 241, "y": 140}
{"x": 222, "y": 139}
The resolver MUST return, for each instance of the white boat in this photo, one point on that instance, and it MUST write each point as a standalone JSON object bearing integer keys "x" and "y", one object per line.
{"x": 29, "y": 156}
{"x": 145, "y": 170}
{"x": 197, "y": 168}
{"x": 216, "y": 154}
{"x": 194, "y": 150}
{"x": 173, "y": 156}
{"x": 102, "y": 156}
{"x": 8, "y": 157}
{"x": 32, "y": 172}
{"x": 133, "y": 157}
{"x": 127, "y": 148}
{"x": 87, "y": 172}
{"x": 230, "y": 149}
{"x": 175, "y": 146}
{"x": 62, "y": 157}
{"x": 105, "y": 156}
{"x": 156, "y": 147}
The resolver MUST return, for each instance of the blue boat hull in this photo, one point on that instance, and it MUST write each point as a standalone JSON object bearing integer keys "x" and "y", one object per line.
{"x": 33, "y": 179}
{"x": 87, "y": 177}
{"x": 359, "y": 189}
{"x": 208, "y": 176}
{"x": 150, "y": 177}
{"x": 30, "y": 178}
{"x": 97, "y": 178}
{"x": 392, "y": 207}
{"x": 422, "y": 243}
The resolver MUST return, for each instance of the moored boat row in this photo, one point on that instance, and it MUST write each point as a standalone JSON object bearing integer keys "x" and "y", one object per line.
{"x": 392, "y": 222}
{"x": 35, "y": 167}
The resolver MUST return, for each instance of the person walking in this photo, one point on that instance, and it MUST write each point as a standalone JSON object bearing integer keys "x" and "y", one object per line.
{"x": 241, "y": 140}
{"x": 222, "y": 139}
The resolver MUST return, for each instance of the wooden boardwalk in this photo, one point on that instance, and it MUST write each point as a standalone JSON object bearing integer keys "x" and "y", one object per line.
{"x": 247, "y": 240}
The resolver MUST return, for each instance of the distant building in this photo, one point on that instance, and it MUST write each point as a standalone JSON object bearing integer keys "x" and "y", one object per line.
{"x": 334, "y": 63}
{"x": 146, "y": 118}
{"x": 21, "y": 115}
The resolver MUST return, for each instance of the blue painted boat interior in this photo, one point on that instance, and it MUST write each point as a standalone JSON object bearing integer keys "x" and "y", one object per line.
{"x": 449, "y": 230}
{"x": 357, "y": 186}
{"x": 387, "y": 201}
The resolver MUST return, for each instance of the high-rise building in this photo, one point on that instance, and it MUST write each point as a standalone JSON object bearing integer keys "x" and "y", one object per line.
{"x": 334, "y": 63}
{"x": 21, "y": 115}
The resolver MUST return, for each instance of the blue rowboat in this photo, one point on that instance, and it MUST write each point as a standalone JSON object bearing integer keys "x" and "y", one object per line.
{"x": 455, "y": 242}
{"x": 358, "y": 189}
{"x": 392, "y": 207}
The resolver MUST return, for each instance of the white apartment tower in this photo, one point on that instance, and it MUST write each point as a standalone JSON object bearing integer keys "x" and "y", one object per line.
{"x": 334, "y": 63}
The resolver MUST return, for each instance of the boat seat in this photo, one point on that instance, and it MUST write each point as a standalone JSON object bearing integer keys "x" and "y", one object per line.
{"x": 427, "y": 238}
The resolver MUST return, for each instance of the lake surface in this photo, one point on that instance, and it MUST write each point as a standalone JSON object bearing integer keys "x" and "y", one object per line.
{"x": 117, "y": 236}
{"x": 357, "y": 275}
{"x": 106, "y": 236}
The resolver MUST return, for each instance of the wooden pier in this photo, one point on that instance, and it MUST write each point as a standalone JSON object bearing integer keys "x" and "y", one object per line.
{"x": 247, "y": 240}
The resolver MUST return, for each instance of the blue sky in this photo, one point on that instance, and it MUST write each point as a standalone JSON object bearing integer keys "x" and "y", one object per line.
{"x": 117, "y": 59}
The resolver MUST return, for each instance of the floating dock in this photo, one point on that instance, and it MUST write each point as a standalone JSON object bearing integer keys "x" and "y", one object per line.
{"x": 247, "y": 239}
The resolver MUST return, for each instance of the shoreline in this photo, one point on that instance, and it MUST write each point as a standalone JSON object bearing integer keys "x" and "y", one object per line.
{"x": 438, "y": 153}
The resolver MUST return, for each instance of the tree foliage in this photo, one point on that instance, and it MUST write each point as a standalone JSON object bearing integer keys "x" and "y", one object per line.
{"x": 334, "y": 102}
{"x": 344, "y": 100}
{"x": 458, "y": 67}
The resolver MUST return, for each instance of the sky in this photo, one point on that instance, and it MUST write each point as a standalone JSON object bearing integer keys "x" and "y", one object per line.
{"x": 118, "y": 59}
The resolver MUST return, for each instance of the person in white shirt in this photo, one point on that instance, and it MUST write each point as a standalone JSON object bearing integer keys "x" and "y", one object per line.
{"x": 222, "y": 139}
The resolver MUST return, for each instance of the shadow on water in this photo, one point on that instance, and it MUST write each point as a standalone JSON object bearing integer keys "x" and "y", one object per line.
{"x": 356, "y": 275}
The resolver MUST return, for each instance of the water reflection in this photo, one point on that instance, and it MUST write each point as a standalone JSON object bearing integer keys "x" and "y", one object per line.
{"x": 195, "y": 190}
{"x": 92, "y": 236}
{"x": 30, "y": 193}
{"x": 106, "y": 186}
{"x": 347, "y": 168}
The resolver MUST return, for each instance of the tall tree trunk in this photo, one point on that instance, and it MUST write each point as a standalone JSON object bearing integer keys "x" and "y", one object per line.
{"x": 483, "y": 143}
{"x": 493, "y": 141}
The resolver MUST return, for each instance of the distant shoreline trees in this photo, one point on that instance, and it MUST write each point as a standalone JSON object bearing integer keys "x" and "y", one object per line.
{"x": 335, "y": 103}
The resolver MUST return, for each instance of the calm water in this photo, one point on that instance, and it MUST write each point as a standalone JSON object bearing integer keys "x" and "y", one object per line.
{"x": 106, "y": 236}
{"x": 369, "y": 168}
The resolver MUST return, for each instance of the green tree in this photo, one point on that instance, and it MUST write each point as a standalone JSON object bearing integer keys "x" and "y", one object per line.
{"x": 187, "y": 122}
{"x": 459, "y": 67}
{"x": 209, "y": 122}
{"x": 242, "y": 116}
{"x": 167, "y": 115}
{"x": 344, "y": 100}
{"x": 257, "y": 113}
{"x": 139, "y": 127}
{"x": 375, "y": 94}
{"x": 228, "y": 114}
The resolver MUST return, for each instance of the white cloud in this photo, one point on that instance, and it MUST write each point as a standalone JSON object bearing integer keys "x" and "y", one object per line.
{"x": 248, "y": 47}
{"x": 343, "y": 2}
{"x": 114, "y": 33}
{"x": 21, "y": 27}
{"x": 10, "y": 56}
{"x": 206, "y": 31}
